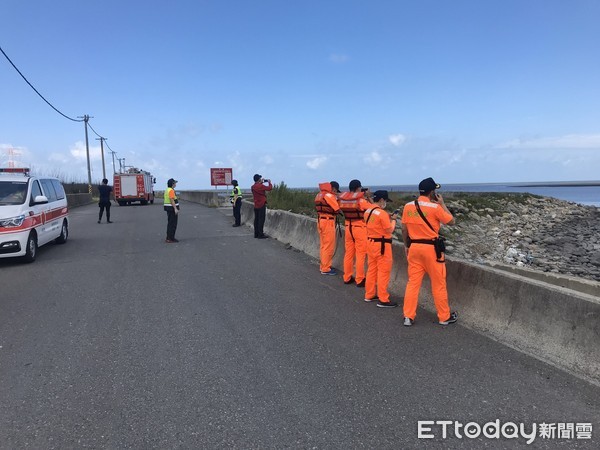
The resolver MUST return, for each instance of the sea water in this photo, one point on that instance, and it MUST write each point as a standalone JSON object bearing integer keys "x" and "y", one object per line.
{"x": 585, "y": 193}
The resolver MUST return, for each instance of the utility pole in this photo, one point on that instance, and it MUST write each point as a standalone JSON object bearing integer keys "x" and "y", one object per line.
{"x": 102, "y": 139}
{"x": 120, "y": 165}
{"x": 113, "y": 160}
{"x": 86, "y": 118}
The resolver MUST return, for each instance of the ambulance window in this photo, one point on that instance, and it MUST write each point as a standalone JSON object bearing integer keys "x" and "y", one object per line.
{"x": 60, "y": 192}
{"x": 12, "y": 193}
{"x": 49, "y": 190}
{"x": 35, "y": 190}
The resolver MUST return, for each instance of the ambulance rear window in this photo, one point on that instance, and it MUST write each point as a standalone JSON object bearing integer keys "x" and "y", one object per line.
{"x": 12, "y": 192}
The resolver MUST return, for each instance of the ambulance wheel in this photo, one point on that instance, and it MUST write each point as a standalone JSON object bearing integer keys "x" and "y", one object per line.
{"x": 31, "y": 248}
{"x": 64, "y": 233}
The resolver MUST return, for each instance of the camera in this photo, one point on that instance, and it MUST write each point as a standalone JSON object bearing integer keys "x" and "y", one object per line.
{"x": 364, "y": 189}
{"x": 396, "y": 211}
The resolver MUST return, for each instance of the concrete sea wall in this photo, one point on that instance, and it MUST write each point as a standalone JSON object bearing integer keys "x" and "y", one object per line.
{"x": 75, "y": 200}
{"x": 558, "y": 325}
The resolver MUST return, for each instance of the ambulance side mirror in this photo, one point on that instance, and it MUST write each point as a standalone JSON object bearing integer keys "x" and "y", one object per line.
{"x": 40, "y": 200}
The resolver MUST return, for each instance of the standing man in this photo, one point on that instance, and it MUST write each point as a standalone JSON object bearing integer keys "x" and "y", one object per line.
{"x": 353, "y": 204}
{"x": 327, "y": 209}
{"x": 104, "y": 189}
{"x": 236, "y": 201}
{"x": 171, "y": 206}
{"x": 379, "y": 250}
{"x": 421, "y": 221}
{"x": 259, "y": 192}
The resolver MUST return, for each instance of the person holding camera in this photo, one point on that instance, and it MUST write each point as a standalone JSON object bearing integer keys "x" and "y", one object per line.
{"x": 353, "y": 204}
{"x": 380, "y": 226}
{"x": 171, "y": 206}
{"x": 259, "y": 192}
{"x": 327, "y": 208}
{"x": 236, "y": 200}
{"x": 421, "y": 221}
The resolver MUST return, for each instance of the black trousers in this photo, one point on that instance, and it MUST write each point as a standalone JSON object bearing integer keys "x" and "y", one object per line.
{"x": 237, "y": 211}
{"x": 171, "y": 223}
{"x": 259, "y": 221}
{"x": 102, "y": 206}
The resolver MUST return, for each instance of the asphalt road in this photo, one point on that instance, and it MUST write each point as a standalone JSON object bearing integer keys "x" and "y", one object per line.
{"x": 119, "y": 340}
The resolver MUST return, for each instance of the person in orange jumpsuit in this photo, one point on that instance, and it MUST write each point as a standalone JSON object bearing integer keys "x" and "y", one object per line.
{"x": 353, "y": 204}
{"x": 421, "y": 253}
{"x": 380, "y": 226}
{"x": 327, "y": 209}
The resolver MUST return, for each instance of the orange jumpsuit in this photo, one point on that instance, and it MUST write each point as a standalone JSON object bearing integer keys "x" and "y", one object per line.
{"x": 353, "y": 205}
{"x": 379, "y": 253}
{"x": 327, "y": 208}
{"x": 422, "y": 258}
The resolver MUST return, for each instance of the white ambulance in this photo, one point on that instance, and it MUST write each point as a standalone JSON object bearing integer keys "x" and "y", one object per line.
{"x": 33, "y": 212}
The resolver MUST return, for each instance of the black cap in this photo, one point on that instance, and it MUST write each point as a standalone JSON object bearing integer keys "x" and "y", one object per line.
{"x": 383, "y": 194}
{"x": 354, "y": 185}
{"x": 234, "y": 182}
{"x": 257, "y": 177}
{"x": 171, "y": 182}
{"x": 428, "y": 185}
{"x": 335, "y": 185}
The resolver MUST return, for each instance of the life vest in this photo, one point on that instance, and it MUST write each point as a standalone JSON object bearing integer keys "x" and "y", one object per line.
{"x": 350, "y": 205}
{"x": 321, "y": 204}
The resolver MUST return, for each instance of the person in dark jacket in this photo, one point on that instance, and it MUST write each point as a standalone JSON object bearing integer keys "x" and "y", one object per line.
{"x": 104, "y": 202}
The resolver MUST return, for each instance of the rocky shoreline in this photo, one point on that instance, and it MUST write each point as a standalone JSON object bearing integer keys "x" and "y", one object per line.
{"x": 523, "y": 230}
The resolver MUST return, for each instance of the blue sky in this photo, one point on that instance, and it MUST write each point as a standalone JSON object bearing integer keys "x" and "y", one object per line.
{"x": 389, "y": 92}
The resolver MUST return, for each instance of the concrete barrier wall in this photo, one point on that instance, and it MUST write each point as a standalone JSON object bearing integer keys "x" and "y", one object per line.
{"x": 208, "y": 198}
{"x": 75, "y": 200}
{"x": 549, "y": 322}
{"x": 553, "y": 323}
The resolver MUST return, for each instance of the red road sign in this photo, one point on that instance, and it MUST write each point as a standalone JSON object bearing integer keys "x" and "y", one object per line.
{"x": 221, "y": 176}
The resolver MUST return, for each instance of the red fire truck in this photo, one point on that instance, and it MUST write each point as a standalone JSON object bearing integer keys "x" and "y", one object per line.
{"x": 135, "y": 185}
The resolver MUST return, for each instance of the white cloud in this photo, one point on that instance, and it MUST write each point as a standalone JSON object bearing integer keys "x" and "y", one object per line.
{"x": 374, "y": 158}
{"x": 569, "y": 141}
{"x": 267, "y": 159}
{"x": 397, "y": 139}
{"x": 79, "y": 152}
{"x": 338, "y": 58}
{"x": 317, "y": 162}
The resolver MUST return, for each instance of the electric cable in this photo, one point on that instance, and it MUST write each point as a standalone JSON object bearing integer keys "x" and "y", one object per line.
{"x": 36, "y": 91}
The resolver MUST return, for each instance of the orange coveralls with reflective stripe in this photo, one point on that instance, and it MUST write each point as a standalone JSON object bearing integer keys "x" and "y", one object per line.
{"x": 355, "y": 239}
{"x": 379, "y": 254}
{"x": 326, "y": 225}
{"x": 422, "y": 259}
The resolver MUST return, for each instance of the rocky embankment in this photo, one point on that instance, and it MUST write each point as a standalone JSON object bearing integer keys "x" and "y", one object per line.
{"x": 523, "y": 230}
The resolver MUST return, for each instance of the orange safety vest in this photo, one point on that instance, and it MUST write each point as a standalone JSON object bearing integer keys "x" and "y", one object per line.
{"x": 350, "y": 205}
{"x": 321, "y": 204}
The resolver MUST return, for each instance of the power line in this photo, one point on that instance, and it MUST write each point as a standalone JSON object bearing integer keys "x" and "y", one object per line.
{"x": 36, "y": 91}
{"x": 95, "y": 132}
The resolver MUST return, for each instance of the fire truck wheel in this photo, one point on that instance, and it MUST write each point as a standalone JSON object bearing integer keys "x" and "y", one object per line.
{"x": 121, "y": 203}
{"x": 31, "y": 248}
{"x": 64, "y": 233}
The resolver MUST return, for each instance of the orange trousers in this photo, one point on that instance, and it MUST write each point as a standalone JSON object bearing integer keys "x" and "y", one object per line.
{"x": 421, "y": 260}
{"x": 326, "y": 228}
{"x": 379, "y": 271}
{"x": 356, "y": 246}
